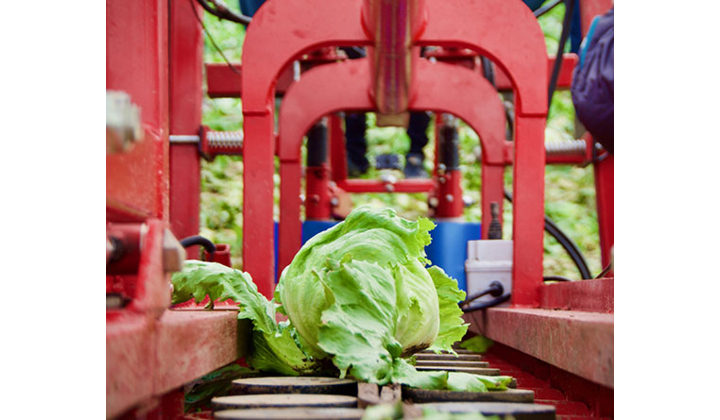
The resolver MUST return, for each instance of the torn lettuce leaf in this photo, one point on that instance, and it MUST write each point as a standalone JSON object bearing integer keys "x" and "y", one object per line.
{"x": 273, "y": 348}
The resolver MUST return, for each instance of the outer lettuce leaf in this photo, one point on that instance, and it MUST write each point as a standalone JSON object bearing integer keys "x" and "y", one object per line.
{"x": 358, "y": 327}
{"x": 273, "y": 349}
{"x": 452, "y": 328}
{"x": 375, "y": 236}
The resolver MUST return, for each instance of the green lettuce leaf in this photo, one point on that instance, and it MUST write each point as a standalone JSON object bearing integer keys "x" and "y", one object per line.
{"x": 273, "y": 348}
{"x": 452, "y": 327}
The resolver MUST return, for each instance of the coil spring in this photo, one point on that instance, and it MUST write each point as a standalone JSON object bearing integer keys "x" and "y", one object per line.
{"x": 565, "y": 147}
{"x": 225, "y": 139}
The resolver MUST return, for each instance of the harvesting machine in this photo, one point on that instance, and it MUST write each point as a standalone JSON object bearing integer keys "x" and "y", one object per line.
{"x": 457, "y": 59}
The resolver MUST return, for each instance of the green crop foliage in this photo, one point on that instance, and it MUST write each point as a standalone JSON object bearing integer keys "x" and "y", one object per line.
{"x": 569, "y": 194}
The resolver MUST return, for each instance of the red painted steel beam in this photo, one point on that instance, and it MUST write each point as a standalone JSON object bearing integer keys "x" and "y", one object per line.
{"x": 192, "y": 343}
{"x": 186, "y": 93}
{"x": 378, "y": 186}
{"x": 503, "y": 82}
{"x": 581, "y": 343}
{"x": 136, "y": 63}
{"x": 146, "y": 358}
{"x": 605, "y": 199}
{"x": 596, "y": 295}
{"x": 223, "y": 82}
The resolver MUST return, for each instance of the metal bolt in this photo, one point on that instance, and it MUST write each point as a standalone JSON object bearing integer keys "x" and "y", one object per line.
{"x": 433, "y": 202}
{"x": 389, "y": 187}
{"x": 441, "y": 180}
{"x": 449, "y": 198}
{"x": 123, "y": 125}
{"x": 173, "y": 253}
{"x": 334, "y": 201}
{"x": 314, "y": 198}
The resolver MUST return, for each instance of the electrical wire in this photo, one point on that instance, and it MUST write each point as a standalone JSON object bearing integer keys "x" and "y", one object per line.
{"x": 569, "y": 7}
{"x": 488, "y": 304}
{"x": 212, "y": 41}
{"x": 548, "y": 7}
{"x": 557, "y": 278}
{"x": 568, "y": 244}
{"x": 199, "y": 240}
{"x": 222, "y": 11}
{"x": 495, "y": 289}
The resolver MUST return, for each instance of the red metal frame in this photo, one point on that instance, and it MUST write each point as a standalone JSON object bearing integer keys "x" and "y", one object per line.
{"x": 266, "y": 54}
{"x": 186, "y": 90}
{"x": 446, "y": 88}
{"x": 150, "y": 351}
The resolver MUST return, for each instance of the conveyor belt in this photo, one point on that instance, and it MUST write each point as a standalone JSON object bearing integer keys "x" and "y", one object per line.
{"x": 326, "y": 398}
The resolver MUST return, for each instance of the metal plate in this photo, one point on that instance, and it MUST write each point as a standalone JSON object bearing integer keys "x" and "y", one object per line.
{"x": 282, "y": 401}
{"x": 294, "y": 385}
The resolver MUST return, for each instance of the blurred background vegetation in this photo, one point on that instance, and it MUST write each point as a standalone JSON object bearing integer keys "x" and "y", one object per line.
{"x": 569, "y": 193}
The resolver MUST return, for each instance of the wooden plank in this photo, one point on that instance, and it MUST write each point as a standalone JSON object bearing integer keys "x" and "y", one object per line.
{"x": 295, "y": 385}
{"x": 427, "y": 396}
{"x": 291, "y": 414}
{"x": 282, "y": 401}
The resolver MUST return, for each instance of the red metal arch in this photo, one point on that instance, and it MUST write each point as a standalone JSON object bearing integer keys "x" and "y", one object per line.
{"x": 503, "y": 30}
{"x": 344, "y": 86}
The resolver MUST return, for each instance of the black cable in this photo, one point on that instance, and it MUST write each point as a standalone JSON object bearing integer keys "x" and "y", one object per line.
{"x": 548, "y": 7}
{"x": 233, "y": 68}
{"x": 557, "y": 278}
{"x": 569, "y": 7}
{"x": 199, "y": 240}
{"x": 568, "y": 244}
{"x": 222, "y": 11}
{"x": 488, "y": 304}
{"x": 495, "y": 289}
{"x": 605, "y": 270}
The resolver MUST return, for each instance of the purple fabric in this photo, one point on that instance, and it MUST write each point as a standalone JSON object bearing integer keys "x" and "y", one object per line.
{"x": 593, "y": 87}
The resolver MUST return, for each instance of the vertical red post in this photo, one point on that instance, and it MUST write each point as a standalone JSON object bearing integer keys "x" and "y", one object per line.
{"x": 290, "y": 228}
{"x": 605, "y": 198}
{"x": 186, "y": 61}
{"x": 528, "y": 210}
{"x": 259, "y": 168}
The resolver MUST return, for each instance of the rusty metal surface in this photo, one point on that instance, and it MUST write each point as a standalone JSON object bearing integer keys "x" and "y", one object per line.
{"x": 191, "y": 344}
{"x": 588, "y": 295}
{"x": 146, "y": 357}
{"x": 581, "y": 343}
